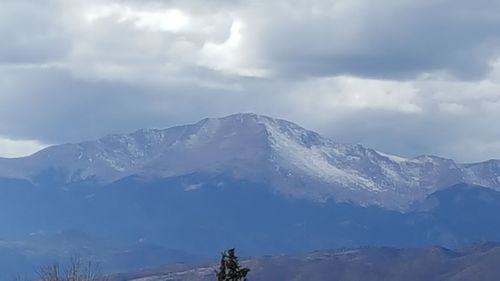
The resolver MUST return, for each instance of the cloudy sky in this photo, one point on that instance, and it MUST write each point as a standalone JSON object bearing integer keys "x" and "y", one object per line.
{"x": 408, "y": 77}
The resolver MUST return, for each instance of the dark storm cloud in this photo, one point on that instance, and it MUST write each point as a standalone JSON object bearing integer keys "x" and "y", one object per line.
{"x": 388, "y": 39}
{"x": 53, "y": 106}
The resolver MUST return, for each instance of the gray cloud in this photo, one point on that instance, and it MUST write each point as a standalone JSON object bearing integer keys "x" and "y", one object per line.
{"x": 31, "y": 32}
{"x": 56, "y": 107}
{"x": 382, "y": 39}
{"x": 408, "y": 77}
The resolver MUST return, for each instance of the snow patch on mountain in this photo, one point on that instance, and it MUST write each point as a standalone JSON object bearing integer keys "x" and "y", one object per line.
{"x": 291, "y": 148}
{"x": 393, "y": 158}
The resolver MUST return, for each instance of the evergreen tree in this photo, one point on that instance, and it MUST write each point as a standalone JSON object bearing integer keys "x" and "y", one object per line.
{"x": 221, "y": 274}
{"x": 230, "y": 269}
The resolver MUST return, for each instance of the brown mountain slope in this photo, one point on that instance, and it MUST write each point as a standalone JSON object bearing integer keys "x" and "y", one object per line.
{"x": 389, "y": 264}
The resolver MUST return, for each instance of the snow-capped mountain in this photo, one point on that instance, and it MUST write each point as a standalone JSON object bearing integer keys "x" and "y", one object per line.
{"x": 293, "y": 161}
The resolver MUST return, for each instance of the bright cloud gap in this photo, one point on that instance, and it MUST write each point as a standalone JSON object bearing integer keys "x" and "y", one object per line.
{"x": 19, "y": 148}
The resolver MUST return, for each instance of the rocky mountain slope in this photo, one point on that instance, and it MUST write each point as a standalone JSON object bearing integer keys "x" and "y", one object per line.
{"x": 293, "y": 161}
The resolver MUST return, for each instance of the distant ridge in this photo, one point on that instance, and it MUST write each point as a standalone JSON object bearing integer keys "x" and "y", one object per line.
{"x": 477, "y": 262}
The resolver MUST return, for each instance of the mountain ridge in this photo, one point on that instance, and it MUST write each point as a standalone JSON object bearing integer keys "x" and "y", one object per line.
{"x": 476, "y": 262}
{"x": 297, "y": 162}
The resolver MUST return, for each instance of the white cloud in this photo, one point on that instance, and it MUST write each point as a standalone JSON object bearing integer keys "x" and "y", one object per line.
{"x": 17, "y": 148}
{"x": 453, "y": 108}
{"x": 358, "y": 93}
{"x": 232, "y": 55}
{"x": 161, "y": 19}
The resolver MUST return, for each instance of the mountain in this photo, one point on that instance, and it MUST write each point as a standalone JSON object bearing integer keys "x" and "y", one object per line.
{"x": 265, "y": 186}
{"x": 293, "y": 161}
{"x": 388, "y": 264}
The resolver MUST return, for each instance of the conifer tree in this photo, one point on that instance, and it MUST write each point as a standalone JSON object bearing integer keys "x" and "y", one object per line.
{"x": 230, "y": 268}
{"x": 221, "y": 274}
